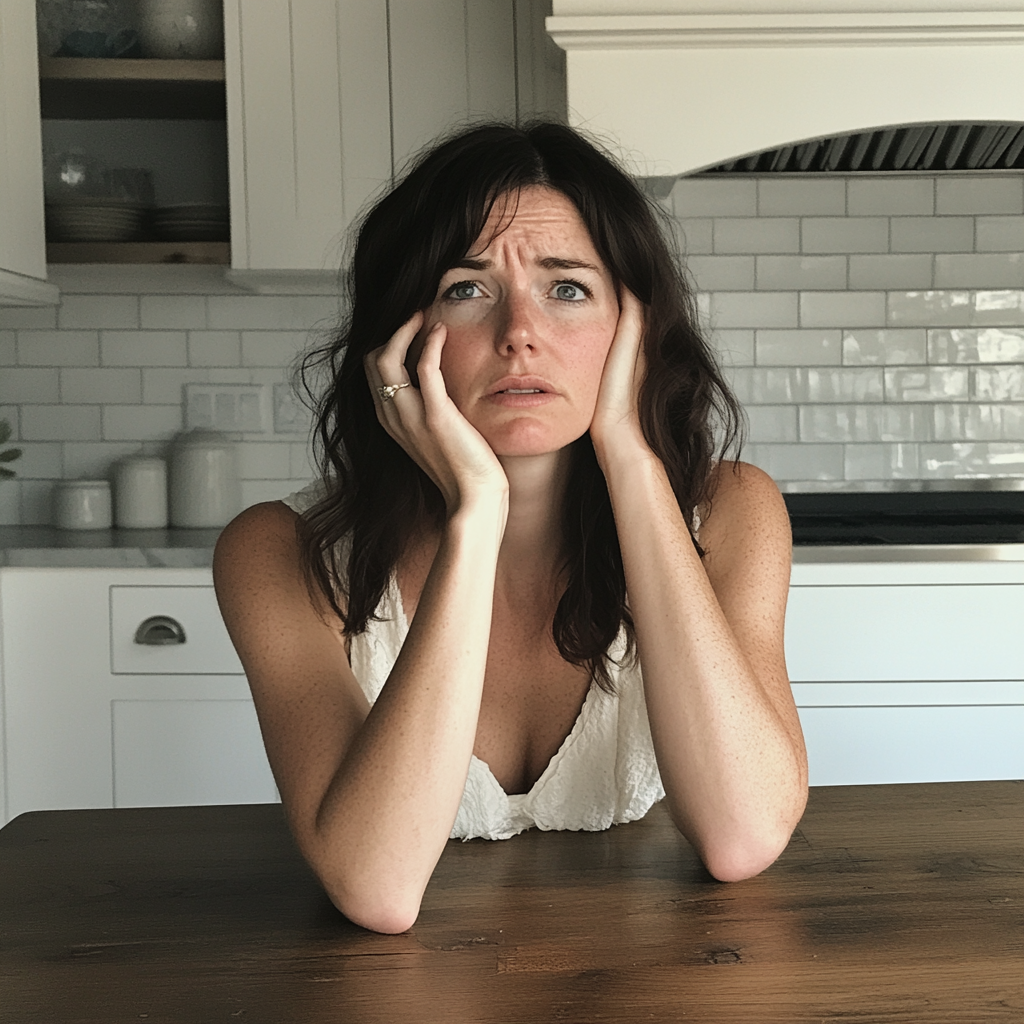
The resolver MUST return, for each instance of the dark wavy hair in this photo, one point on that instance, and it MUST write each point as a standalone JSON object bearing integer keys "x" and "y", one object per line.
{"x": 378, "y": 498}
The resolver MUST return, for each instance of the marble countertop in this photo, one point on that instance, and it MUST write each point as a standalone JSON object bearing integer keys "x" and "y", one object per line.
{"x": 48, "y": 547}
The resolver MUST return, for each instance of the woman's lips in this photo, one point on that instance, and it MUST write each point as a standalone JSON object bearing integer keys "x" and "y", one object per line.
{"x": 521, "y": 400}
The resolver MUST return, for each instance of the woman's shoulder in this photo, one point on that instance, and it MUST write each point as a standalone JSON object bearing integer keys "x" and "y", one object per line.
{"x": 745, "y": 509}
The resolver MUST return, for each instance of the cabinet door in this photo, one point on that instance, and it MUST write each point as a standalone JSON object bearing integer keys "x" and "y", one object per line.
{"x": 22, "y": 239}
{"x": 308, "y": 126}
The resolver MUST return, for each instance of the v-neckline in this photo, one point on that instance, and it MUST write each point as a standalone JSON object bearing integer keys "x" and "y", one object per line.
{"x": 552, "y": 766}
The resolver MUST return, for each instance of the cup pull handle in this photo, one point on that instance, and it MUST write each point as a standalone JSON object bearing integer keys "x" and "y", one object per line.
{"x": 159, "y": 630}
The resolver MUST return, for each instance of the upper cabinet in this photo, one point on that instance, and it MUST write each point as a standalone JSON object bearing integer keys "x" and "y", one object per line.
{"x": 22, "y": 246}
{"x": 326, "y": 102}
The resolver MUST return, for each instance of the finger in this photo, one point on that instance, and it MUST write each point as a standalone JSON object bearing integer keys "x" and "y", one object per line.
{"x": 428, "y": 369}
{"x": 391, "y": 358}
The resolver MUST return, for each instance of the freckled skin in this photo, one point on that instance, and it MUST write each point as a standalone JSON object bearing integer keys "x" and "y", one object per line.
{"x": 520, "y": 317}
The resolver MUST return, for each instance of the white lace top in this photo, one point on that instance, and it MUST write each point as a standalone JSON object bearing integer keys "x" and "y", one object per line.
{"x": 603, "y": 774}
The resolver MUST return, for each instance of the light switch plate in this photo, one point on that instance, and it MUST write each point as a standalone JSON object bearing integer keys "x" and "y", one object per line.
{"x": 236, "y": 408}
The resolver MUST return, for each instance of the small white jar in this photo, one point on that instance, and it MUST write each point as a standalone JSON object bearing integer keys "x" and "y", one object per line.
{"x": 140, "y": 493}
{"x": 82, "y": 505}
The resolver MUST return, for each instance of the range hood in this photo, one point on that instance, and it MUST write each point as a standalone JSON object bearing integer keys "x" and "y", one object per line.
{"x": 688, "y": 85}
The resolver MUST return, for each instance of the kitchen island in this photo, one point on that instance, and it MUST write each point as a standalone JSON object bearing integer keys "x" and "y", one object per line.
{"x": 895, "y": 904}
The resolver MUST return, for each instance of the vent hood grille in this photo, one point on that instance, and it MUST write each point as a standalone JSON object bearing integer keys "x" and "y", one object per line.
{"x": 922, "y": 147}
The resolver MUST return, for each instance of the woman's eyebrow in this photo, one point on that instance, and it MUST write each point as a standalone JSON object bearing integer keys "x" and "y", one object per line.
{"x": 547, "y": 262}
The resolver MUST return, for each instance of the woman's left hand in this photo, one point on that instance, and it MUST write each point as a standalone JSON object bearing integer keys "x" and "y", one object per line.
{"x": 616, "y": 423}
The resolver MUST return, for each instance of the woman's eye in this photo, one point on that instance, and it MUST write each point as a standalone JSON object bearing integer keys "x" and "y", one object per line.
{"x": 463, "y": 290}
{"x": 568, "y": 291}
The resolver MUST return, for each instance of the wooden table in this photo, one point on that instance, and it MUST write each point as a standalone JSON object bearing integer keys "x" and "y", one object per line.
{"x": 892, "y": 904}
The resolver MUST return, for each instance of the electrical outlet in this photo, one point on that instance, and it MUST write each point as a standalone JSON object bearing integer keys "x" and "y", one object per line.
{"x": 236, "y": 408}
{"x": 290, "y": 415}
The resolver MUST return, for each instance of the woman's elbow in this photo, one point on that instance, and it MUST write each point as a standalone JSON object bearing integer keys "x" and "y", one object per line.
{"x": 733, "y": 860}
{"x": 377, "y": 912}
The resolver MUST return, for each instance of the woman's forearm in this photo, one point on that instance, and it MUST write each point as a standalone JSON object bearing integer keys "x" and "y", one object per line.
{"x": 388, "y": 811}
{"x": 730, "y": 759}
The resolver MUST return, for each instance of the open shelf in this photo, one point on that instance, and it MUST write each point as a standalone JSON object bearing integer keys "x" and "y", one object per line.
{"x": 139, "y": 252}
{"x": 102, "y": 89}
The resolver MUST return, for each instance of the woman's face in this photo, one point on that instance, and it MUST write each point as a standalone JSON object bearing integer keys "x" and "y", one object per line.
{"x": 531, "y": 313}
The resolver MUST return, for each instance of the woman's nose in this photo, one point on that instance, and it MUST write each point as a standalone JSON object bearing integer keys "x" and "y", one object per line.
{"x": 518, "y": 327}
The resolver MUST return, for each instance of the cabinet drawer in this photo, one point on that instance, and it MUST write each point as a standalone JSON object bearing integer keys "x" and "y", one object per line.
{"x": 206, "y": 650}
{"x": 888, "y": 633}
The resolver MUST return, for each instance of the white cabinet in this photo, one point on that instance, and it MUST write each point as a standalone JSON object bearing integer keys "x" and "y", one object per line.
{"x": 94, "y": 719}
{"x": 909, "y": 672}
{"x": 327, "y": 101}
{"x": 22, "y": 244}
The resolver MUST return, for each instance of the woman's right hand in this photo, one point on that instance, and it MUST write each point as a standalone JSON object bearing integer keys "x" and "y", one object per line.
{"x": 428, "y": 424}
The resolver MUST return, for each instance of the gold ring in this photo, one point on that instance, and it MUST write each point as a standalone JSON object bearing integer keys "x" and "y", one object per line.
{"x": 387, "y": 391}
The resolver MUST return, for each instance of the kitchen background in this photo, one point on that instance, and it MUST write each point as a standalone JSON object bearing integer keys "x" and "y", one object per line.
{"x": 873, "y": 327}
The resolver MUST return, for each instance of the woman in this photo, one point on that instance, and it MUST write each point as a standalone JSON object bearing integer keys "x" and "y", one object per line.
{"x": 526, "y": 594}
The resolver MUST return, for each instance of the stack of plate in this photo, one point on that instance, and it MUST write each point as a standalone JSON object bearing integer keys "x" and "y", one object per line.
{"x": 94, "y": 220}
{"x": 191, "y": 222}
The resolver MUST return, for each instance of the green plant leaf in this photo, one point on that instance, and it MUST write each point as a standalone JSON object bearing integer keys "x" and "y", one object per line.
{"x": 5, "y": 430}
{"x": 10, "y": 455}
{"x": 6, "y": 474}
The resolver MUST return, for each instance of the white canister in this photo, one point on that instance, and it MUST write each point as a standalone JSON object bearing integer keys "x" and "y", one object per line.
{"x": 181, "y": 29}
{"x": 205, "y": 489}
{"x": 82, "y": 505}
{"x": 140, "y": 493}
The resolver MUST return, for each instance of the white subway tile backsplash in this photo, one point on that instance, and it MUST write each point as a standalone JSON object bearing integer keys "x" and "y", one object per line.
{"x": 694, "y": 235}
{"x": 166, "y": 386}
{"x": 844, "y": 234}
{"x": 997, "y": 383}
{"x": 798, "y": 348}
{"x": 888, "y": 271}
{"x": 976, "y": 345}
{"x": 176, "y": 312}
{"x": 271, "y": 312}
{"x": 757, "y": 235}
{"x": 58, "y": 348}
{"x": 733, "y": 347}
{"x": 927, "y": 308}
{"x": 801, "y": 197}
{"x": 141, "y": 422}
{"x": 266, "y": 460}
{"x": 772, "y": 423}
{"x": 272, "y": 348}
{"x": 143, "y": 348}
{"x": 971, "y": 421}
{"x": 95, "y": 458}
{"x": 971, "y": 459}
{"x": 722, "y": 273}
{"x": 291, "y": 414}
{"x": 60, "y": 423}
{"x": 842, "y": 309}
{"x": 25, "y": 384}
{"x": 979, "y": 270}
{"x": 36, "y": 501}
{"x": 85, "y": 386}
{"x": 214, "y": 348}
{"x": 256, "y": 491}
{"x": 753, "y": 309}
{"x": 40, "y": 460}
{"x": 843, "y": 385}
{"x": 777, "y": 273}
{"x": 999, "y": 234}
{"x": 881, "y": 348}
{"x": 704, "y": 197}
{"x": 10, "y": 503}
{"x": 932, "y": 234}
{"x": 881, "y": 462}
{"x": 979, "y": 194}
{"x": 99, "y": 311}
{"x": 13, "y": 318}
{"x": 8, "y": 348}
{"x": 1004, "y": 308}
{"x": 301, "y": 464}
{"x": 797, "y": 461}
{"x": 865, "y": 423}
{"x": 926, "y": 384}
{"x": 871, "y": 197}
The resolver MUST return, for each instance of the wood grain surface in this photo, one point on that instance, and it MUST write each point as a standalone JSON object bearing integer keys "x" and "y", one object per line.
{"x": 891, "y": 904}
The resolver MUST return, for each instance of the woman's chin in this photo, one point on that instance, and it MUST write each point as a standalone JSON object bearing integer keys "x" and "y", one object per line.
{"x": 529, "y": 439}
